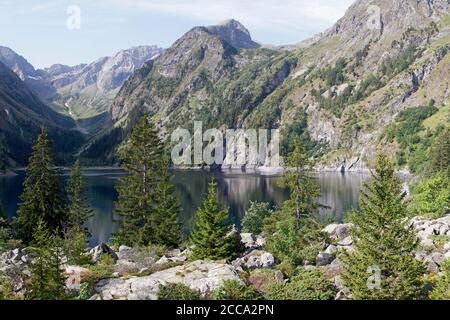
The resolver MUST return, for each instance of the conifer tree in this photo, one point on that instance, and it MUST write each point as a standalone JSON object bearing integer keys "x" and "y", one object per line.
{"x": 145, "y": 195}
{"x": 47, "y": 280}
{"x": 294, "y": 229}
{"x": 43, "y": 196}
{"x": 213, "y": 236}
{"x": 440, "y": 153}
{"x": 303, "y": 186}
{"x": 79, "y": 211}
{"x": 162, "y": 226}
{"x": 382, "y": 265}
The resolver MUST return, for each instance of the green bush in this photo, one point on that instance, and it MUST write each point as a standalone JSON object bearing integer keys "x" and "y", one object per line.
{"x": 442, "y": 289}
{"x": 85, "y": 291}
{"x": 253, "y": 220}
{"x": 308, "y": 285}
{"x": 177, "y": 291}
{"x": 432, "y": 197}
{"x": 233, "y": 290}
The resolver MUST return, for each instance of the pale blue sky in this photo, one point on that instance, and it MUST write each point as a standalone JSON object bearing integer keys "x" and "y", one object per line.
{"x": 37, "y": 29}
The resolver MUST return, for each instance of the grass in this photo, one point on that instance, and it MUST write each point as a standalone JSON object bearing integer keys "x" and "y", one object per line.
{"x": 441, "y": 117}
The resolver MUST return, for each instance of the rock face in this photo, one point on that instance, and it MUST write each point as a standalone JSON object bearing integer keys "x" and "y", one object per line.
{"x": 202, "y": 276}
{"x": 22, "y": 114}
{"x": 234, "y": 33}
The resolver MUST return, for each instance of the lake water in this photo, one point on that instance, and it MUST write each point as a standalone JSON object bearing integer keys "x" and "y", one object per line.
{"x": 340, "y": 192}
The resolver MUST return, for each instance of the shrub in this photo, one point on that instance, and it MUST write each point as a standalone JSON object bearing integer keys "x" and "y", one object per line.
{"x": 432, "y": 198}
{"x": 85, "y": 291}
{"x": 308, "y": 285}
{"x": 442, "y": 289}
{"x": 253, "y": 220}
{"x": 233, "y": 290}
{"x": 177, "y": 291}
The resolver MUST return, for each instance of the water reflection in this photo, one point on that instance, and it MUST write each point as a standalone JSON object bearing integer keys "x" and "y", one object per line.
{"x": 339, "y": 192}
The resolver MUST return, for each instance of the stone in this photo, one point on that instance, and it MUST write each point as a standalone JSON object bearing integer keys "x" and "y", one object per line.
{"x": 123, "y": 249}
{"x": 330, "y": 229}
{"x": 348, "y": 241}
{"x": 324, "y": 259}
{"x": 144, "y": 270}
{"x": 202, "y": 276}
{"x": 255, "y": 259}
{"x": 437, "y": 258}
{"x": 260, "y": 241}
{"x": 248, "y": 240}
{"x": 331, "y": 249}
{"x": 75, "y": 276}
{"x": 98, "y": 251}
{"x": 279, "y": 276}
{"x": 332, "y": 270}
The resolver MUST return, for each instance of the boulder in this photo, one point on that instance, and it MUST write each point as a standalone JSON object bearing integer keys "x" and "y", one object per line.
{"x": 338, "y": 231}
{"x": 248, "y": 240}
{"x": 260, "y": 280}
{"x": 201, "y": 276}
{"x": 75, "y": 276}
{"x": 331, "y": 249}
{"x": 348, "y": 241}
{"x": 98, "y": 251}
{"x": 255, "y": 259}
{"x": 324, "y": 259}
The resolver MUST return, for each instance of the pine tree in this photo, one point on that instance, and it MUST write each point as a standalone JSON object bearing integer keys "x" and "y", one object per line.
{"x": 382, "y": 265}
{"x": 294, "y": 230}
{"x": 145, "y": 195}
{"x": 79, "y": 211}
{"x": 213, "y": 236}
{"x": 43, "y": 196}
{"x": 47, "y": 280}
{"x": 303, "y": 186}
{"x": 440, "y": 153}
{"x": 162, "y": 226}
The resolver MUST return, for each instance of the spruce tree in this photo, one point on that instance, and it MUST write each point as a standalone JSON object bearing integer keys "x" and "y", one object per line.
{"x": 79, "y": 211}
{"x": 145, "y": 194}
{"x": 162, "y": 226}
{"x": 213, "y": 236}
{"x": 440, "y": 153}
{"x": 382, "y": 265}
{"x": 47, "y": 280}
{"x": 43, "y": 196}
{"x": 303, "y": 186}
{"x": 294, "y": 229}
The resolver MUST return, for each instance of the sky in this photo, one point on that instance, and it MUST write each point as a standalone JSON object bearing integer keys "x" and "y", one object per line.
{"x": 71, "y": 32}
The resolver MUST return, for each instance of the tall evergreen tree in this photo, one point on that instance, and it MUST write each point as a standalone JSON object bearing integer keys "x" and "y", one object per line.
{"x": 294, "y": 230}
{"x": 162, "y": 226}
{"x": 47, "y": 280}
{"x": 79, "y": 211}
{"x": 440, "y": 153}
{"x": 212, "y": 236}
{"x": 303, "y": 186}
{"x": 145, "y": 194}
{"x": 43, "y": 196}
{"x": 382, "y": 265}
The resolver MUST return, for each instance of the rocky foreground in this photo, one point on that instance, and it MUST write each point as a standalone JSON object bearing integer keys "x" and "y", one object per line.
{"x": 136, "y": 274}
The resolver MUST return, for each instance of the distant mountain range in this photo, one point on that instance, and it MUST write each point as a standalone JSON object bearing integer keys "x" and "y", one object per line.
{"x": 340, "y": 91}
{"x": 84, "y": 90}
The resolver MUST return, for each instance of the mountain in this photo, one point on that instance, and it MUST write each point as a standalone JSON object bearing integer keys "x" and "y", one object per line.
{"x": 34, "y": 79}
{"x": 235, "y": 34}
{"x": 22, "y": 115}
{"x": 88, "y": 90}
{"x": 344, "y": 92}
{"x": 84, "y": 90}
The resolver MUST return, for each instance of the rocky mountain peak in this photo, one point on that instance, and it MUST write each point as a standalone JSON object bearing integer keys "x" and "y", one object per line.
{"x": 235, "y": 33}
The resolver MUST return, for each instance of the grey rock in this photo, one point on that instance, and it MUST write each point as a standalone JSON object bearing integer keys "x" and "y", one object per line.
{"x": 324, "y": 259}
{"x": 98, "y": 251}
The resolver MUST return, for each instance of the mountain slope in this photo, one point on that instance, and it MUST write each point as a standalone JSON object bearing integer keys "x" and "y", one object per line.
{"x": 88, "y": 90}
{"x": 34, "y": 79}
{"x": 341, "y": 91}
{"x": 22, "y": 115}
